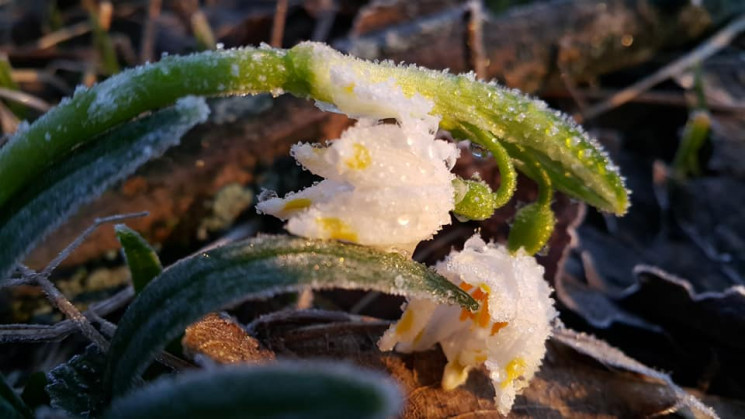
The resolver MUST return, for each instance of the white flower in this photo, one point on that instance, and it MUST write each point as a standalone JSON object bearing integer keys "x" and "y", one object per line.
{"x": 507, "y": 334}
{"x": 386, "y": 185}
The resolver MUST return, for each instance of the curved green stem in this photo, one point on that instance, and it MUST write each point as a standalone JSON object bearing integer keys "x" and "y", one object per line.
{"x": 507, "y": 173}
{"x": 93, "y": 111}
{"x": 534, "y": 223}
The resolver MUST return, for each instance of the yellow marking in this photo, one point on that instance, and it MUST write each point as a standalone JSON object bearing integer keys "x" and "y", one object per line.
{"x": 337, "y": 229}
{"x": 361, "y": 159}
{"x": 496, "y": 327}
{"x": 480, "y": 358}
{"x": 484, "y": 288}
{"x": 297, "y": 204}
{"x": 349, "y": 88}
{"x": 418, "y": 337}
{"x": 514, "y": 370}
{"x": 406, "y": 322}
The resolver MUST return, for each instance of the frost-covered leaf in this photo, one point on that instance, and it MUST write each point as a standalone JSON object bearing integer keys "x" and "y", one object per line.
{"x": 75, "y": 386}
{"x": 46, "y": 202}
{"x": 11, "y": 406}
{"x": 284, "y": 390}
{"x": 142, "y": 260}
{"x": 258, "y": 267}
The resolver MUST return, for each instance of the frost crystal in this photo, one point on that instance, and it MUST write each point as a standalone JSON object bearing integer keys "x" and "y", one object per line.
{"x": 387, "y": 185}
{"x": 507, "y": 334}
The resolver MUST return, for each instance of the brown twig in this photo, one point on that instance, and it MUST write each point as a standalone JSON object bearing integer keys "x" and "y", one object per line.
{"x": 147, "y": 46}
{"x": 57, "y": 299}
{"x": 24, "y": 99}
{"x": 278, "y": 26}
{"x": 64, "y": 34}
{"x": 325, "y": 20}
{"x": 476, "y": 38}
{"x": 720, "y": 40}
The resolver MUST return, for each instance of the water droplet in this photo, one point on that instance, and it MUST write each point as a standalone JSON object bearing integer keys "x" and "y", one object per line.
{"x": 479, "y": 151}
{"x": 399, "y": 281}
{"x": 403, "y": 220}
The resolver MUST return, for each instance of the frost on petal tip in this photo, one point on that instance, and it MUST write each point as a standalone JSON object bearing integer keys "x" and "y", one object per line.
{"x": 507, "y": 333}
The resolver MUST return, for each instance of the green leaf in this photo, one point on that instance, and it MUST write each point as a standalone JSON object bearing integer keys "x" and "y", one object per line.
{"x": 285, "y": 390}
{"x": 91, "y": 112}
{"x": 259, "y": 267}
{"x": 11, "y": 406}
{"x": 75, "y": 386}
{"x": 62, "y": 188}
{"x": 142, "y": 260}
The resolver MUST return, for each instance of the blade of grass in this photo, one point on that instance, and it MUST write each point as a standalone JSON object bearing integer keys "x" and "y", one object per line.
{"x": 62, "y": 188}
{"x": 142, "y": 260}
{"x": 259, "y": 267}
{"x": 288, "y": 389}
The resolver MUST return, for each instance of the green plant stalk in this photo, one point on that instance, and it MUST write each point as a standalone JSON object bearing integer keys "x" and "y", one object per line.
{"x": 128, "y": 94}
{"x": 575, "y": 163}
{"x": 686, "y": 161}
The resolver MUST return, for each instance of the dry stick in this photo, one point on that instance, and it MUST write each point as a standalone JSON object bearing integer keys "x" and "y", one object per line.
{"x": 8, "y": 121}
{"x": 720, "y": 40}
{"x": 41, "y": 76}
{"x": 24, "y": 99}
{"x": 325, "y": 21}
{"x": 278, "y": 26}
{"x": 649, "y": 97}
{"x": 11, "y": 333}
{"x": 63, "y": 35}
{"x": 169, "y": 360}
{"x": 476, "y": 38}
{"x": 147, "y": 46}
{"x": 58, "y": 300}
{"x": 84, "y": 236}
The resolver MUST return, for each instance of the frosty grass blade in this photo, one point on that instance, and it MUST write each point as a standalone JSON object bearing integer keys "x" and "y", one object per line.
{"x": 259, "y": 268}
{"x": 286, "y": 389}
{"x": 62, "y": 188}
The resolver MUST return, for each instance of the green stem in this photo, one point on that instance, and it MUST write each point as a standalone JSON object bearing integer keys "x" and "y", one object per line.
{"x": 507, "y": 173}
{"x": 93, "y": 111}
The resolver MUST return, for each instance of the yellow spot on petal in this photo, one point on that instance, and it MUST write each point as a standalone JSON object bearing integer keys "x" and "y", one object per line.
{"x": 454, "y": 375}
{"x": 418, "y": 337}
{"x": 297, "y": 204}
{"x": 406, "y": 322}
{"x": 361, "y": 159}
{"x": 480, "y": 358}
{"x": 337, "y": 229}
{"x": 349, "y": 88}
{"x": 514, "y": 370}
